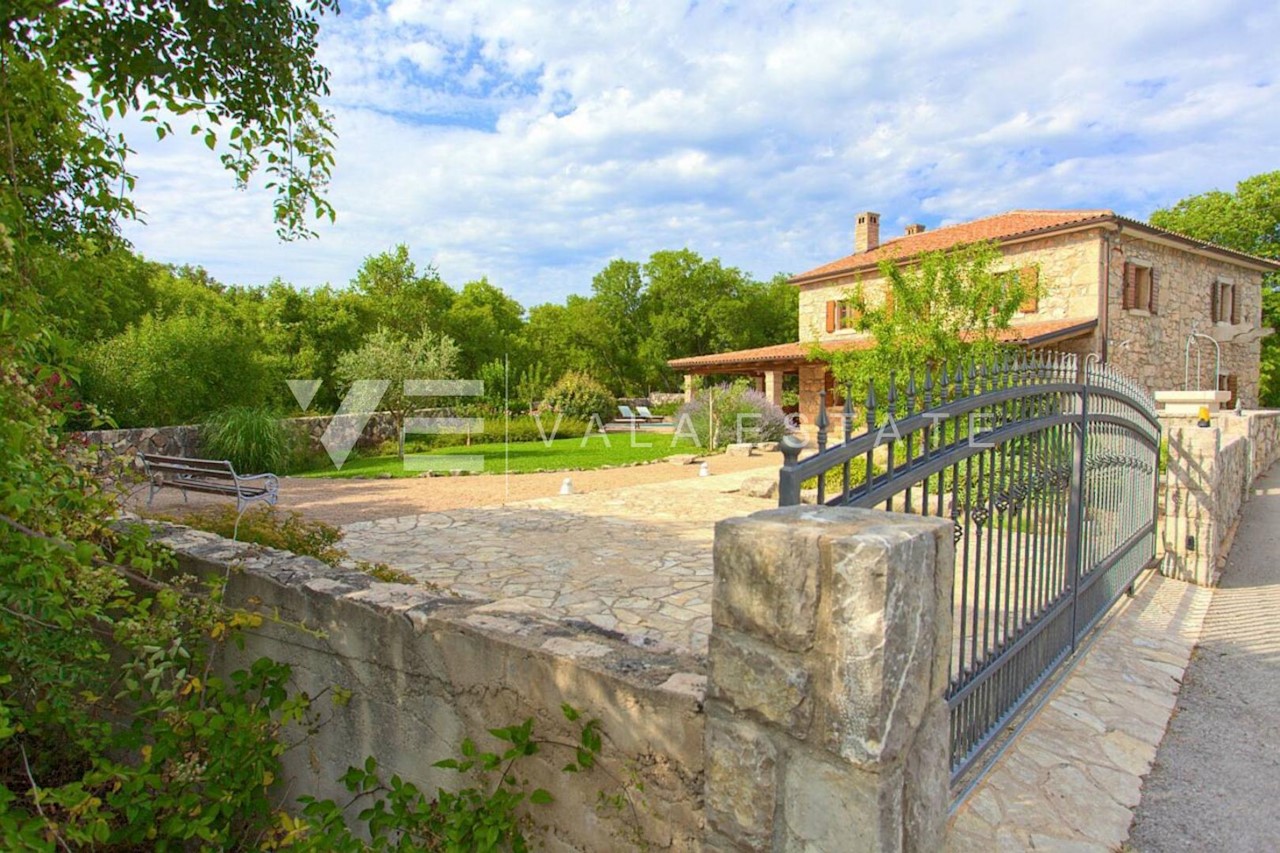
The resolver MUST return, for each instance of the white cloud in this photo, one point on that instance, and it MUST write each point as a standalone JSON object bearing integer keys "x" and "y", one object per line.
{"x": 532, "y": 142}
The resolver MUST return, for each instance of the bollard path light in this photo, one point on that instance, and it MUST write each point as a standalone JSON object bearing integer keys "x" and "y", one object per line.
{"x": 704, "y": 470}
{"x": 566, "y": 488}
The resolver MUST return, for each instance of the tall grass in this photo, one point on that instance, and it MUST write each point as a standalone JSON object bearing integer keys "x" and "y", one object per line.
{"x": 252, "y": 437}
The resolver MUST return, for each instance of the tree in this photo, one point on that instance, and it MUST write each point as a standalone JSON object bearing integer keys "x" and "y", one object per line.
{"x": 174, "y": 370}
{"x": 397, "y": 297}
{"x": 384, "y": 355}
{"x": 244, "y": 77}
{"x": 941, "y": 309}
{"x": 487, "y": 325}
{"x": 100, "y": 648}
{"x": 1247, "y": 220}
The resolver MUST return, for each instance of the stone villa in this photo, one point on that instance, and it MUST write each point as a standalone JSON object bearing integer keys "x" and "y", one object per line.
{"x": 1117, "y": 287}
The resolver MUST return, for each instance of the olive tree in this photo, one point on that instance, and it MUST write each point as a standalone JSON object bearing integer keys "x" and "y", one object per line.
{"x": 386, "y": 356}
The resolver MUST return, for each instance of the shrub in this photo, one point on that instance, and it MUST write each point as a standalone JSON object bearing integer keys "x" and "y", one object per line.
{"x": 173, "y": 370}
{"x": 577, "y": 395}
{"x": 252, "y": 437}
{"x": 288, "y": 531}
{"x": 728, "y": 414}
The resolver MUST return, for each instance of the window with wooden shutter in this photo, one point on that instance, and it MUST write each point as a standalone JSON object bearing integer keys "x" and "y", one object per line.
{"x": 831, "y": 316}
{"x": 1030, "y": 278}
{"x": 847, "y": 316}
{"x": 1224, "y": 306}
{"x": 1139, "y": 288}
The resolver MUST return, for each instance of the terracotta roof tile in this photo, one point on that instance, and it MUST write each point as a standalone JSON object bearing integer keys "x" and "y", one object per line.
{"x": 1004, "y": 226}
{"x": 1033, "y": 334}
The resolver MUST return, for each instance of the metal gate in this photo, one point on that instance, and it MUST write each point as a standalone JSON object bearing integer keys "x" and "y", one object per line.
{"x": 1048, "y": 473}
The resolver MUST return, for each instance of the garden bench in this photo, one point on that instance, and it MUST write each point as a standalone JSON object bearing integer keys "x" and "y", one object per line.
{"x": 209, "y": 476}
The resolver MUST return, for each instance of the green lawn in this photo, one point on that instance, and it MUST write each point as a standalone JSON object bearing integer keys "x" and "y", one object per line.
{"x": 562, "y": 454}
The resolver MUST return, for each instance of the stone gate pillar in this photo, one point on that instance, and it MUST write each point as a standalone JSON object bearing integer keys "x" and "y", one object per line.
{"x": 827, "y": 726}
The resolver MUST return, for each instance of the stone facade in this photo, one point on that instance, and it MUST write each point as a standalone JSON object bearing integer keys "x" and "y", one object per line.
{"x": 1069, "y": 274}
{"x": 1150, "y": 347}
{"x": 827, "y": 726}
{"x": 1210, "y": 474}
{"x": 1145, "y": 346}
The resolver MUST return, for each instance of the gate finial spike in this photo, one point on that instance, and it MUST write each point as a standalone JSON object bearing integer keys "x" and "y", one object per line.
{"x": 823, "y": 421}
{"x": 871, "y": 405}
{"x": 928, "y": 386}
{"x": 985, "y": 380}
{"x": 957, "y": 390}
{"x": 911, "y": 393}
{"x": 891, "y": 399}
{"x": 848, "y": 411}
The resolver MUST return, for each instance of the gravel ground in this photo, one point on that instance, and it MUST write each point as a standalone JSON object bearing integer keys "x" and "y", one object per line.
{"x": 1216, "y": 780}
{"x": 346, "y": 501}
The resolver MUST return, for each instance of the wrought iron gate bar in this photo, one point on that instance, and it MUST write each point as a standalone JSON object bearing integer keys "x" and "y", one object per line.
{"x": 1051, "y": 496}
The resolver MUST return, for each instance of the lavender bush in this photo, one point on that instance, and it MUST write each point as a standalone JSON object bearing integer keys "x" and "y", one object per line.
{"x": 741, "y": 414}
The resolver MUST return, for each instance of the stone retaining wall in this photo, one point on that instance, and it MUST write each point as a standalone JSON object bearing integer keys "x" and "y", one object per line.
{"x": 1210, "y": 474}
{"x": 427, "y": 670}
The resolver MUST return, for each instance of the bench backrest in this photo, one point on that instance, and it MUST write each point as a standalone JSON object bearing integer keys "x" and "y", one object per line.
{"x": 205, "y": 469}
{"x": 626, "y": 412}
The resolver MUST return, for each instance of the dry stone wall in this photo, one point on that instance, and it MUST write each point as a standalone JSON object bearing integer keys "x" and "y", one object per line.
{"x": 185, "y": 440}
{"x": 1210, "y": 474}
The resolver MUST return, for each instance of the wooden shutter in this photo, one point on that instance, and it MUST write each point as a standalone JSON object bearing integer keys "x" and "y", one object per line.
{"x": 1214, "y": 307}
{"x": 1129, "y": 293}
{"x": 1030, "y": 278}
{"x": 1155, "y": 290}
{"x": 831, "y": 316}
{"x": 1235, "y": 305}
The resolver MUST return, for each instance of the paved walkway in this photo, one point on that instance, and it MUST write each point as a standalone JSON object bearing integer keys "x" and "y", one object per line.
{"x": 634, "y": 560}
{"x": 1216, "y": 780}
{"x": 1072, "y": 779}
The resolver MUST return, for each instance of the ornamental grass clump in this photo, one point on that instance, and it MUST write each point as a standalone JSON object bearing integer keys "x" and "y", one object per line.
{"x": 252, "y": 437}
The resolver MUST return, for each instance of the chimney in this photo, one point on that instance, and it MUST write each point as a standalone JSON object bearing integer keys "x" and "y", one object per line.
{"x": 915, "y": 228}
{"x": 866, "y": 233}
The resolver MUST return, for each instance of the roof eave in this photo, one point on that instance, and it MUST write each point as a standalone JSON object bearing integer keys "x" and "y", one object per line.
{"x": 1200, "y": 246}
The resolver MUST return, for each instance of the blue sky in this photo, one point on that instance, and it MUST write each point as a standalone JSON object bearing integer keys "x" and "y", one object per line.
{"x": 532, "y": 142}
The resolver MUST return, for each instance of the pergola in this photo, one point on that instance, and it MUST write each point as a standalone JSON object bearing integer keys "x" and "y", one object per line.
{"x": 768, "y": 365}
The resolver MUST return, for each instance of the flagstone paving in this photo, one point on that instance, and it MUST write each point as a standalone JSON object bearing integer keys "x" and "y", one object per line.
{"x": 1072, "y": 779}
{"x": 634, "y": 560}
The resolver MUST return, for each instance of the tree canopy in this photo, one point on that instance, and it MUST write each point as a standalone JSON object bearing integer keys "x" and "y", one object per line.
{"x": 1247, "y": 220}
{"x": 243, "y": 77}
{"x": 944, "y": 309}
